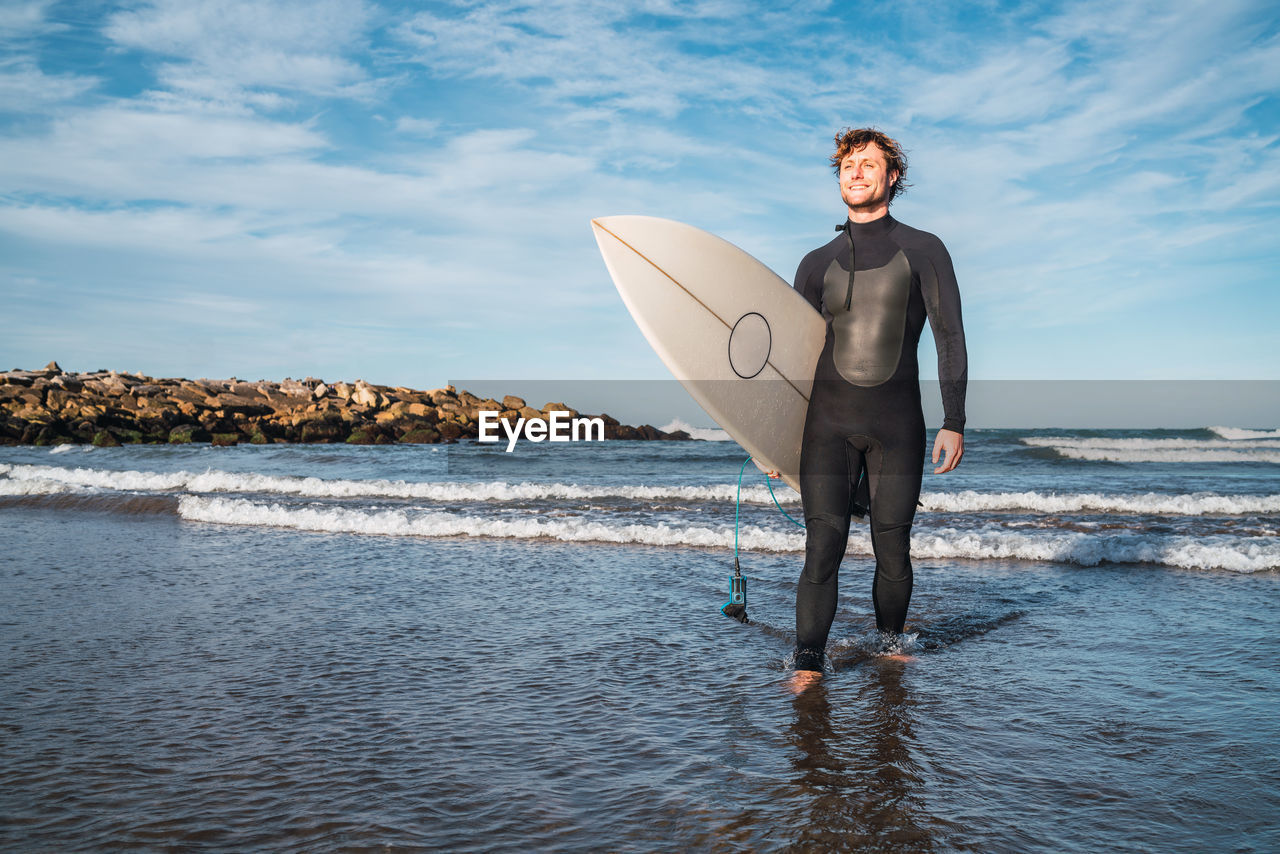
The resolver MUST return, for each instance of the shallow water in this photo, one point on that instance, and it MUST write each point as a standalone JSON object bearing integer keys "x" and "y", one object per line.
{"x": 405, "y": 648}
{"x": 174, "y": 683}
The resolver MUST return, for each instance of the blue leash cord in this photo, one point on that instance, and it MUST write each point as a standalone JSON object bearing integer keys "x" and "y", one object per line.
{"x": 737, "y": 505}
{"x": 736, "y": 607}
{"x": 767, "y": 483}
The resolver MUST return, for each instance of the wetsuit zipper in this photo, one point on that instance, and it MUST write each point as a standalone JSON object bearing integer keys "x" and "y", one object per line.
{"x": 848, "y": 297}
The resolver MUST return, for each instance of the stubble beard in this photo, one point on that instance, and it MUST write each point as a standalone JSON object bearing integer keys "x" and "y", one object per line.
{"x": 869, "y": 205}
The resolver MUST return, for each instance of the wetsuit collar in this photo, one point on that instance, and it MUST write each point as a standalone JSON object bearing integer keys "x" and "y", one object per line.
{"x": 867, "y": 229}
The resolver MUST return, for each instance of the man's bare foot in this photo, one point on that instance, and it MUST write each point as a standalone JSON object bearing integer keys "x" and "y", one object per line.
{"x": 802, "y": 680}
{"x": 898, "y": 656}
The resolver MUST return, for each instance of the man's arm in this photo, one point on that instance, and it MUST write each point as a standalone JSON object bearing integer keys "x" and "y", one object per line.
{"x": 805, "y": 284}
{"x": 942, "y": 303}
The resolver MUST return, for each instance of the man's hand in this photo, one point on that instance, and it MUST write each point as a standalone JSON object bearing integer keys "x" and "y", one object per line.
{"x": 770, "y": 472}
{"x": 953, "y": 444}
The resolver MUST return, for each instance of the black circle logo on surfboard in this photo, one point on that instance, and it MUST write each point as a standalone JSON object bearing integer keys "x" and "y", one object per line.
{"x": 749, "y": 345}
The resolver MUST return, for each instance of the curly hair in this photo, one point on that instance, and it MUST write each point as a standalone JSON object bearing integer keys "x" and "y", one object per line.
{"x": 856, "y": 139}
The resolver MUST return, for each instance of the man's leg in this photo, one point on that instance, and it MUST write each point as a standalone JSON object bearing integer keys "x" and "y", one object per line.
{"x": 895, "y": 470}
{"x": 825, "y": 475}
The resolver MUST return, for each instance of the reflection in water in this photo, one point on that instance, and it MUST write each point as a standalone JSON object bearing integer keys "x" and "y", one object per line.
{"x": 856, "y": 771}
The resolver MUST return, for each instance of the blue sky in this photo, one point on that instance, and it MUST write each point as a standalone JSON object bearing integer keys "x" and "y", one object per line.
{"x": 401, "y": 192}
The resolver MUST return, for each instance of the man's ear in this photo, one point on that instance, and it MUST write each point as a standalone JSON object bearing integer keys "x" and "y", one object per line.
{"x": 893, "y": 178}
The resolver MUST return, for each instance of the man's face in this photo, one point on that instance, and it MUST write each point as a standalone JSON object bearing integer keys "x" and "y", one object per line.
{"x": 865, "y": 179}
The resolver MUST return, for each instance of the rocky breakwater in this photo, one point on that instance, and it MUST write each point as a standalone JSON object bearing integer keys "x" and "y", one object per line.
{"x": 106, "y": 408}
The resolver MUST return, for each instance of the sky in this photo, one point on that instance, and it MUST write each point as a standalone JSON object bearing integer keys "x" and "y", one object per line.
{"x": 402, "y": 192}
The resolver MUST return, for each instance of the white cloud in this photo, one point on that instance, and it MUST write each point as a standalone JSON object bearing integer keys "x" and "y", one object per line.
{"x": 223, "y": 46}
{"x": 417, "y": 127}
{"x": 22, "y": 18}
{"x": 25, "y": 88}
{"x": 592, "y": 52}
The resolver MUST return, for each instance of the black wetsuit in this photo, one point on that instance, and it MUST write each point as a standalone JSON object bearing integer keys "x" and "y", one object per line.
{"x": 864, "y": 435}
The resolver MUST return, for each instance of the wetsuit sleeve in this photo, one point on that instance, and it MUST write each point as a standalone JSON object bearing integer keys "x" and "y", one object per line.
{"x": 942, "y": 302}
{"x": 807, "y": 286}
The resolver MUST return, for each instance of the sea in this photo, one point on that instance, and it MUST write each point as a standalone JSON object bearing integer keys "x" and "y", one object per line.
{"x": 456, "y": 648}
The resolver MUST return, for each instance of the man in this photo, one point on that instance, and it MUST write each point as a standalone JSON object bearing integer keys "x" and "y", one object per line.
{"x": 864, "y": 435}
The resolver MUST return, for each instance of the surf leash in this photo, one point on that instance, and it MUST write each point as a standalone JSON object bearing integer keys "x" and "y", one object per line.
{"x": 767, "y": 482}
{"x": 736, "y": 607}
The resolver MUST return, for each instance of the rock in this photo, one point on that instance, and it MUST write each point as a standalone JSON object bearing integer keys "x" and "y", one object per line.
{"x": 323, "y": 430}
{"x": 560, "y": 407}
{"x": 53, "y": 406}
{"x": 421, "y": 436}
{"x": 295, "y": 388}
{"x": 364, "y": 395}
{"x": 103, "y": 439}
{"x": 54, "y": 367}
{"x": 184, "y": 434}
{"x": 441, "y": 395}
{"x": 366, "y": 435}
{"x": 129, "y": 436}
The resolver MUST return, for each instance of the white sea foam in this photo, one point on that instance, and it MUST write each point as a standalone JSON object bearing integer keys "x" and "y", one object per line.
{"x": 1237, "y": 433}
{"x": 1211, "y": 552}
{"x": 35, "y": 486}
{"x": 877, "y": 643}
{"x": 237, "y": 511}
{"x": 1151, "y": 503}
{"x": 1208, "y": 552}
{"x": 1143, "y": 444}
{"x": 69, "y": 448}
{"x": 314, "y": 487}
{"x": 1137, "y": 450}
{"x": 968, "y": 501}
{"x": 706, "y": 434}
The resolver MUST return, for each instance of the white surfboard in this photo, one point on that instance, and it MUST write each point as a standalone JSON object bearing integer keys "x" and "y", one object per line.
{"x": 739, "y": 338}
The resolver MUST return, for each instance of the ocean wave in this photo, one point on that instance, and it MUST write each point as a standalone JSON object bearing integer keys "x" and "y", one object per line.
{"x": 314, "y": 487}
{"x": 1238, "y": 433}
{"x": 56, "y": 479}
{"x": 1159, "y": 450}
{"x": 1142, "y": 444}
{"x": 1212, "y": 552}
{"x": 68, "y": 448}
{"x": 237, "y": 511}
{"x": 34, "y": 486}
{"x": 128, "y": 505}
{"x": 706, "y": 434}
{"x": 1234, "y": 554}
{"x": 1151, "y": 503}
